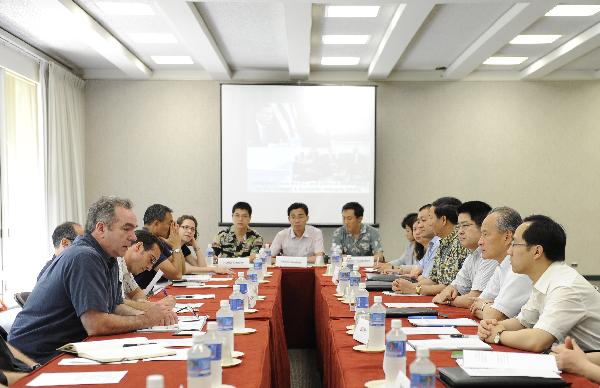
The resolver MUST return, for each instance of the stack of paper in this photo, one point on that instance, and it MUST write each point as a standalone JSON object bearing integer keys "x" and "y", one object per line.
{"x": 195, "y": 296}
{"x": 196, "y": 278}
{"x": 76, "y": 378}
{"x": 430, "y": 330}
{"x": 443, "y": 322}
{"x": 392, "y": 293}
{"x": 477, "y": 363}
{"x": 450, "y": 344}
{"x": 185, "y": 324}
{"x": 117, "y": 350}
{"x": 404, "y": 305}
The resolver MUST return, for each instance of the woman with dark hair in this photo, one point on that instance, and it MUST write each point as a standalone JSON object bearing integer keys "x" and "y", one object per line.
{"x": 409, "y": 257}
{"x": 195, "y": 261}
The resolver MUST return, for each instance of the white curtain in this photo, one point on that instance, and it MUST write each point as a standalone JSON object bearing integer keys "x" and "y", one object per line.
{"x": 65, "y": 173}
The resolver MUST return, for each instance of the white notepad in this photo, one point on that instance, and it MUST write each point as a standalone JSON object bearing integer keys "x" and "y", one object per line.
{"x": 403, "y": 305}
{"x": 77, "y": 378}
{"x": 477, "y": 363}
{"x": 443, "y": 322}
{"x": 450, "y": 344}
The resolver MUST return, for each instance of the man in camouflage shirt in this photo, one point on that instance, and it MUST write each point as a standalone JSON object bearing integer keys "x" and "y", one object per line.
{"x": 450, "y": 254}
{"x": 238, "y": 240}
{"x": 356, "y": 238}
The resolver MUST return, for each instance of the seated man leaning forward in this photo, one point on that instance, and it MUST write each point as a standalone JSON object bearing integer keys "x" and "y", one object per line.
{"x": 299, "y": 239}
{"x": 356, "y": 238}
{"x": 79, "y": 294}
{"x": 238, "y": 240}
{"x": 475, "y": 272}
{"x": 562, "y": 302}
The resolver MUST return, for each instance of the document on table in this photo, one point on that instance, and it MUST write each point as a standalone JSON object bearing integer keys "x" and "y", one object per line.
{"x": 186, "y": 307}
{"x": 477, "y": 363}
{"x": 196, "y": 278}
{"x": 82, "y": 347}
{"x": 195, "y": 296}
{"x": 450, "y": 344}
{"x": 219, "y": 279}
{"x": 443, "y": 322}
{"x": 87, "y": 361}
{"x": 185, "y": 323}
{"x": 392, "y": 293}
{"x": 404, "y": 305}
{"x": 77, "y": 378}
{"x": 430, "y": 330}
{"x": 174, "y": 342}
{"x": 188, "y": 285}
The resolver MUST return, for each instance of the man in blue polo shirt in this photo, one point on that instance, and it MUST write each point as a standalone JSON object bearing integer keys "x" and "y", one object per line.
{"x": 79, "y": 294}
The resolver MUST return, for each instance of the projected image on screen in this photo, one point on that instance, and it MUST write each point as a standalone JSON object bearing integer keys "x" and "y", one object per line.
{"x": 284, "y": 144}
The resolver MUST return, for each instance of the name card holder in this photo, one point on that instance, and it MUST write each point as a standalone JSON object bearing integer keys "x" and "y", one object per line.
{"x": 362, "y": 261}
{"x": 234, "y": 262}
{"x": 361, "y": 331}
{"x": 291, "y": 261}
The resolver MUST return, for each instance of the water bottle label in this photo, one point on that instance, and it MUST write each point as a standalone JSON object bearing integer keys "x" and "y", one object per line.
{"x": 253, "y": 277}
{"x": 236, "y": 304}
{"x": 198, "y": 367}
{"x": 395, "y": 349}
{"x": 257, "y": 265}
{"x": 225, "y": 323}
{"x": 362, "y": 302}
{"x": 344, "y": 276}
{"x": 419, "y": 380}
{"x": 376, "y": 319}
{"x": 354, "y": 281}
{"x": 215, "y": 351}
{"x": 243, "y": 288}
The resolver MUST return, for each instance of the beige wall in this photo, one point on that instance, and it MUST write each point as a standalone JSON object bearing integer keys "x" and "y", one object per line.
{"x": 530, "y": 145}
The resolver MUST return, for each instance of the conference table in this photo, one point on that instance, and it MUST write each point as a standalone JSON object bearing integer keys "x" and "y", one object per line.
{"x": 299, "y": 311}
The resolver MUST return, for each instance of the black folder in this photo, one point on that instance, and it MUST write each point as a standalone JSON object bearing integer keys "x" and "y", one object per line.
{"x": 378, "y": 277}
{"x": 404, "y": 312}
{"x": 458, "y": 378}
{"x": 372, "y": 285}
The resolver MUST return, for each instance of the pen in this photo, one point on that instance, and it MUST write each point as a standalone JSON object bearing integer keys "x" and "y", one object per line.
{"x": 164, "y": 290}
{"x": 131, "y": 345}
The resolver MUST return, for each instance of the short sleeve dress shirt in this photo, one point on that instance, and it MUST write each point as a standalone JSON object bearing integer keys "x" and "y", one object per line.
{"x": 286, "y": 242}
{"x": 509, "y": 290}
{"x": 474, "y": 274}
{"x": 368, "y": 242}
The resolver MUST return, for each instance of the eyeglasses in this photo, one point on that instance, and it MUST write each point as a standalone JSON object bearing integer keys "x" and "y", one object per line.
{"x": 465, "y": 225}
{"x": 191, "y": 228}
{"x": 514, "y": 244}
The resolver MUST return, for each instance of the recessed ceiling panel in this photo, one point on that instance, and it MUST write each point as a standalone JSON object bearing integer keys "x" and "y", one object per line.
{"x": 250, "y": 35}
{"x": 448, "y": 31}
{"x": 48, "y": 26}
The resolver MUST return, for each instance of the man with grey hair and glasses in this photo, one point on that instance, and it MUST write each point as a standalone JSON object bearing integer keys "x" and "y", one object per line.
{"x": 79, "y": 294}
{"x": 506, "y": 292}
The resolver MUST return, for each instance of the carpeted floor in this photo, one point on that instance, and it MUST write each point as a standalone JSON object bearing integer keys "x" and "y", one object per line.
{"x": 304, "y": 369}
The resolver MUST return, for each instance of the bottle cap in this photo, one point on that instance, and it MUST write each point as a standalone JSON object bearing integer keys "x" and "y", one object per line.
{"x": 362, "y": 286}
{"x": 396, "y": 323}
{"x": 236, "y": 288}
{"x": 377, "y": 299}
{"x": 224, "y": 303}
{"x": 422, "y": 352}
{"x": 198, "y": 337}
{"x": 212, "y": 326}
{"x": 155, "y": 381}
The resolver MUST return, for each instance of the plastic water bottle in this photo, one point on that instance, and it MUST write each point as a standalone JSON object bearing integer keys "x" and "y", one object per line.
{"x": 236, "y": 302}
{"x": 394, "y": 359}
{"x": 353, "y": 280}
{"x": 252, "y": 276}
{"x": 376, "y": 325}
{"x": 361, "y": 303}
{"x": 422, "y": 370}
{"x": 210, "y": 256}
{"x": 214, "y": 342}
{"x": 155, "y": 381}
{"x": 257, "y": 265}
{"x": 243, "y": 283}
{"x": 268, "y": 255}
{"x": 344, "y": 280}
{"x": 198, "y": 364}
{"x": 336, "y": 257}
{"x": 225, "y": 328}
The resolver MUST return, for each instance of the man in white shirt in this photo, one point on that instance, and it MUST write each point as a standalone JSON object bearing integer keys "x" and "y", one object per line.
{"x": 299, "y": 239}
{"x": 562, "y": 302}
{"x": 506, "y": 292}
{"x": 475, "y": 272}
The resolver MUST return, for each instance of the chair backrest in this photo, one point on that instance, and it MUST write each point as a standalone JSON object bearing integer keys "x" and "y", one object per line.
{"x": 21, "y": 297}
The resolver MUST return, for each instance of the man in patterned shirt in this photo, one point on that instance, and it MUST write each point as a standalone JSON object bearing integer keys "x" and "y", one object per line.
{"x": 356, "y": 238}
{"x": 238, "y": 240}
{"x": 449, "y": 256}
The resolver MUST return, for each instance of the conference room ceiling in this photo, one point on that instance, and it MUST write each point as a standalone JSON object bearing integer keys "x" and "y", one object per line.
{"x": 268, "y": 40}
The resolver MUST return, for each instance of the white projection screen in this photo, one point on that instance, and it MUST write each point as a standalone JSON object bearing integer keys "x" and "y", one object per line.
{"x": 293, "y": 143}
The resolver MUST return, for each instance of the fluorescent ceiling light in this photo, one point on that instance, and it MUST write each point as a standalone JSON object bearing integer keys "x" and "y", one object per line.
{"x": 351, "y": 11}
{"x": 172, "y": 59}
{"x": 574, "y": 10}
{"x": 340, "y": 61}
{"x": 345, "y": 39}
{"x": 534, "y": 39}
{"x": 128, "y": 8}
{"x": 153, "y": 38}
{"x": 505, "y": 61}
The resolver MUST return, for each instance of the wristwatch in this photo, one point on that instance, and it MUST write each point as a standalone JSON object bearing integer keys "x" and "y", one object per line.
{"x": 418, "y": 288}
{"x": 177, "y": 250}
{"x": 497, "y": 336}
